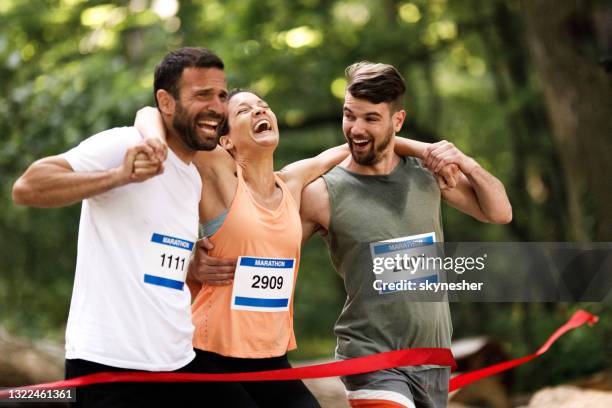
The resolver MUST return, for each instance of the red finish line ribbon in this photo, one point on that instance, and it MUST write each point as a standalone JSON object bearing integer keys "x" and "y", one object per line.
{"x": 579, "y": 318}
{"x": 375, "y": 362}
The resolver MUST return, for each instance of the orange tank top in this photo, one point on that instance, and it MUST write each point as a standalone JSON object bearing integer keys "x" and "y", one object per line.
{"x": 254, "y": 231}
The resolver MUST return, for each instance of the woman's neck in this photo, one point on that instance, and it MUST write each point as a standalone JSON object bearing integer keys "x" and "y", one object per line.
{"x": 258, "y": 173}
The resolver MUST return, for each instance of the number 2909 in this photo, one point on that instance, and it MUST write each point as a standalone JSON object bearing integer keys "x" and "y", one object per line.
{"x": 267, "y": 282}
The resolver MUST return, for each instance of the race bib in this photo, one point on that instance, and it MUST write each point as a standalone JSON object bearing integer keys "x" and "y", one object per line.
{"x": 167, "y": 261}
{"x": 263, "y": 284}
{"x": 395, "y": 262}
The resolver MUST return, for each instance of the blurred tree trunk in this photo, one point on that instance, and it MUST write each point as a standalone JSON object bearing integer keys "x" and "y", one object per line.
{"x": 506, "y": 53}
{"x": 562, "y": 37}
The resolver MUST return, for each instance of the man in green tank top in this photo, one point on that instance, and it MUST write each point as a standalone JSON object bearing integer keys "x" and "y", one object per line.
{"x": 374, "y": 196}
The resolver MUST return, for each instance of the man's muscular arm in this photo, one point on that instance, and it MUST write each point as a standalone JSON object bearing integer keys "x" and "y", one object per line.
{"x": 315, "y": 210}
{"x": 51, "y": 182}
{"x": 478, "y": 193}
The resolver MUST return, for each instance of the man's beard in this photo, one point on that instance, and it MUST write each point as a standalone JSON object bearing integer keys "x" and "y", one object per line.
{"x": 187, "y": 128}
{"x": 373, "y": 156}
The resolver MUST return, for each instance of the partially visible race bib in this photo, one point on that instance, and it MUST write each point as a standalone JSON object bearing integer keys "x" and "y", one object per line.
{"x": 167, "y": 261}
{"x": 408, "y": 249}
{"x": 263, "y": 284}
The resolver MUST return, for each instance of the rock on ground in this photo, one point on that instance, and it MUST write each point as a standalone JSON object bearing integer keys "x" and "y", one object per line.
{"x": 570, "y": 397}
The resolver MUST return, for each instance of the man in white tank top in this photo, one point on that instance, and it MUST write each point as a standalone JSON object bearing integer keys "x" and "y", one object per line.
{"x": 130, "y": 308}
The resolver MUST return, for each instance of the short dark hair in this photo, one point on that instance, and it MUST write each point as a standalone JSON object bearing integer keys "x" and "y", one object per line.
{"x": 168, "y": 72}
{"x": 224, "y": 129}
{"x": 376, "y": 83}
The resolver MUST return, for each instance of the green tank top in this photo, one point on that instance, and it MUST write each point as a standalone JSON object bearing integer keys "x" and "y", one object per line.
{"x": 372, "y": 208}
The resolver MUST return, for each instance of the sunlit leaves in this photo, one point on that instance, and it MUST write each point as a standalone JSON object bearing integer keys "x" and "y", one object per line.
{"x": 409, "y": 13}
{"x": 103, "y": 15}
{"x": 337, "y": 87}
{"x": 165, "y": 9}
{"x": 303, "y": 36}
{"x": 353, "y": 13}
{"x": 264, "y": 85}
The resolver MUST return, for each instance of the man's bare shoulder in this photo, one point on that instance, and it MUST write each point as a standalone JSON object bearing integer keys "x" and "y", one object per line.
{"x": 315, "y": 203}
{"x": 315, "y": 190}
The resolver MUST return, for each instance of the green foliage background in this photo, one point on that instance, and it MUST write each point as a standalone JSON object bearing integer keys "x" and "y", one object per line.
{"x": 72, "y": 68}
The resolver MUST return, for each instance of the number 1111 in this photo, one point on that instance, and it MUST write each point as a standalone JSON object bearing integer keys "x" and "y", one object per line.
{"x": 177, "y": 261}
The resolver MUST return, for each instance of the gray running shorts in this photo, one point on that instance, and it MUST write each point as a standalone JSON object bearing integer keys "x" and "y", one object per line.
{"x": 421, "y": 389}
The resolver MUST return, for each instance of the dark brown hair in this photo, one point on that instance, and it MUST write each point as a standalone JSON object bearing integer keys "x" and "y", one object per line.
{"x": 376, "y": 83}
{"x": 168, "y": 72}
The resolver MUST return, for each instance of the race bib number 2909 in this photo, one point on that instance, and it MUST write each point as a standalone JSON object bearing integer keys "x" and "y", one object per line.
{"x": 263, "y": 284}
{"x": 167, "y": 261}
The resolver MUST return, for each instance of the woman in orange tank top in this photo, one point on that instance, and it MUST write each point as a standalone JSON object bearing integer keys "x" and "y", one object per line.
{"x": 248, "y": 325}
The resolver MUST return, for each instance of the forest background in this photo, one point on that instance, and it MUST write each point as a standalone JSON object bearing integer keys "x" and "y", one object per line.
{"x": 523, "y": 86}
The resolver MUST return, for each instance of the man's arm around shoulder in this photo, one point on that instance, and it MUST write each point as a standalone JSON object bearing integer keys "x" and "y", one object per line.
{"x": 52, "y": 182}
{"x": 478, "y": 193}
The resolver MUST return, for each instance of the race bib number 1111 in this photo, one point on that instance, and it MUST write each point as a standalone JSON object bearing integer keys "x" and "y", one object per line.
{"x": 167, "y": 261}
